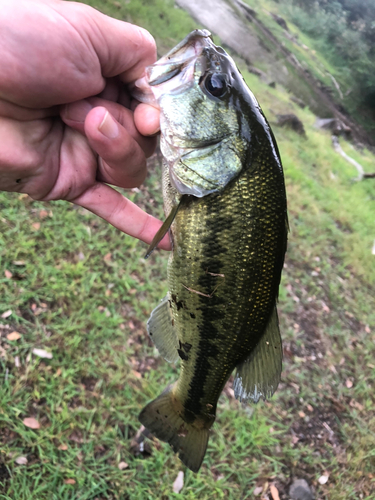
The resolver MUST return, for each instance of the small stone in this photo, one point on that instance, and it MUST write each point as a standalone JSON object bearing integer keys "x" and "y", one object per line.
{"x": 258, "y": 490}
{"x": 21, "y": 460}
{"x": 323, "y": 479}
{"x": 300, "y": 490}
{"x": 123, "y": 465}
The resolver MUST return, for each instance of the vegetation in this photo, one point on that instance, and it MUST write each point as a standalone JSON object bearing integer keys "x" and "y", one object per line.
{"x": 344, "y": 30}
{"x": 79, "y": 289}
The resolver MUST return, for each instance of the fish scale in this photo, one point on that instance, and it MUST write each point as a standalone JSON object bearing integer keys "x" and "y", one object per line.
{"x": 246, "y": 290}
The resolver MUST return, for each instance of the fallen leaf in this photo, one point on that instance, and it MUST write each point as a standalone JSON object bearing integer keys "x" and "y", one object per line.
{"x": 310, "y": 408}
{"x": 179, "y": 482}
{"x": 137, "y": 374}
{"x": 6, "y": 314}
{"x": 323, "y": 479}
{"x": 8, "y": 274}
{"x": 367, "y": 328}
{"x": 63, "y": 447}
{"x": 123, "y": 465}
{"x": 36, "y": 226}
{"x": 13, "y": 336}
{"x": 21, "y": 460}
{"x": 107, "y": 257}
{"x": 258, "y": 490}
{"x": 31, "y": 422}
{"x": 42, "y": 353}
{"x": 302, "y": 414}
{"x": 274, "y": 492}
{"x": 69, "y": 481}
{"x": 58, "y": 372}
{"x": 43, "y": 214}
{"x": 349, "y": 383}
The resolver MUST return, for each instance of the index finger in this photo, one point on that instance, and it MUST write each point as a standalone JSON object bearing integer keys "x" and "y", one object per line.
{"x": 125, "y": 215}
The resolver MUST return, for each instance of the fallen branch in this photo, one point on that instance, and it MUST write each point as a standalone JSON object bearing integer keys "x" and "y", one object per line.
{"x": 358, "y": 166}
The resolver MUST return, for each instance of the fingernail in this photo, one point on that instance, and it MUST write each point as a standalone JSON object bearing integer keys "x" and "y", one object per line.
{"x": 109, "y": 127}
{"x": 77, "y": 111}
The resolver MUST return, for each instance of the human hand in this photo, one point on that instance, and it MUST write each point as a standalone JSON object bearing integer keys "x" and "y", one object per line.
{"x": 67, "y": 125}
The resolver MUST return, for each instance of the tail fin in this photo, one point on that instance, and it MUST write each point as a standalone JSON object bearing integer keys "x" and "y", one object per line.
{"x": 161, "y": 418}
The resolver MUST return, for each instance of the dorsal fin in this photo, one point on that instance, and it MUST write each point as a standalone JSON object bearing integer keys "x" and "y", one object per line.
{"x": 162, "y": 332}
{"x": 259, "y": 375}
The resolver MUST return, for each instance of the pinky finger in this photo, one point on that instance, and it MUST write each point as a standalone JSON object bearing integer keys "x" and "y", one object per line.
{"x": 123, "y": 214}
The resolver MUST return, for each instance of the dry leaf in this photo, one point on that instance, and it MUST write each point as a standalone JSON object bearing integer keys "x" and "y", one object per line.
{"x": 69, "y": 481}
{"x": 42, "y": 353}
{"x": 13, "y": 336}
{"x": 107, "y": 257}
{"x": 36, "y": 226}
{"x": 31, "y": 422}
{"x": 21, "y": 460}
{"x": 258, "y": 490}
{"x": 179, "y": 482}
{"x": 6, "y": 314}
{"x": 8, "y": 274}
{"x": 274, "y": 492}
{"x": 63, "y": 447}
{"x": 349, "y": 383}
{"x": 123, "y": 465}
{"x": 43, "y": 214}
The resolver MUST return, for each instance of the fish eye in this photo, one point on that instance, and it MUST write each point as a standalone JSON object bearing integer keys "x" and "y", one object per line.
{"x": 216, "y": 85}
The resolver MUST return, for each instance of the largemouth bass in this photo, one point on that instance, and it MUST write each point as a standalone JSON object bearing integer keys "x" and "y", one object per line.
{"x": 224, "y": 195}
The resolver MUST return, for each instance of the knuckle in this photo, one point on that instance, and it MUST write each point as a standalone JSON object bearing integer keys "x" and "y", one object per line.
{"x": 147, "y": 41}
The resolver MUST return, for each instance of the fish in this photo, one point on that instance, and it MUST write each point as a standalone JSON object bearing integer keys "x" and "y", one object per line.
{"x": 225, "y": 201}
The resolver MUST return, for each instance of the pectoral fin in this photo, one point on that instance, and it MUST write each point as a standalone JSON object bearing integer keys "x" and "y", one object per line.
{"x": 163, "y": 230}
{"x": 162, "y": 332}
{"x": 259, "y": 375}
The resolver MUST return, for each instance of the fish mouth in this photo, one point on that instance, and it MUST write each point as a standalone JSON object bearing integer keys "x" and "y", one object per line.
{"x": 180, "y": 57}
{"x": 180, "y": 62}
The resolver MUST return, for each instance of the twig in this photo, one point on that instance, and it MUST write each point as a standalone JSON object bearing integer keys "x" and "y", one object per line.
{"x": 338, "y": 149}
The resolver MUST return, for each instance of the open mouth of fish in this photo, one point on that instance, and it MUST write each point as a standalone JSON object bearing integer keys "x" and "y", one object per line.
{"x": 174, "y": 72}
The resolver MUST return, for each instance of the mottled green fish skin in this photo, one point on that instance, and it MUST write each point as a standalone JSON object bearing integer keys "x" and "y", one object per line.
{"x": 228, "y": 250}
{"x": 229, "y": 247}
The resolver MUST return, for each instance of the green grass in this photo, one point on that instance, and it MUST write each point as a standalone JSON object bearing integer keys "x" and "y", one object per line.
{"x": 82, "y": 290}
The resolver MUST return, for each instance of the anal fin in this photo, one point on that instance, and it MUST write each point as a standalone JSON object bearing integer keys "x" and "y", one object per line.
{"x": 162, "y": 332}
{"x": 259, "y": 375}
